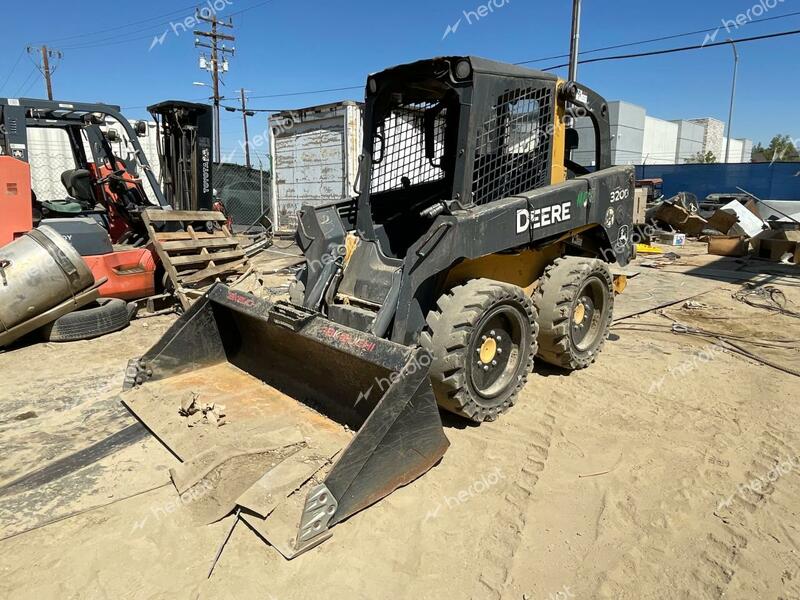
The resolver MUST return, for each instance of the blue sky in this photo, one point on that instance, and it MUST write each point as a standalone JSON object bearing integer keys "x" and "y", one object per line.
{"x": 284, "y": 47}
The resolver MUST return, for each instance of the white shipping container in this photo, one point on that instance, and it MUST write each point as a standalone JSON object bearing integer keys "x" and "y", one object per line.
{"x": 314, "y": 157}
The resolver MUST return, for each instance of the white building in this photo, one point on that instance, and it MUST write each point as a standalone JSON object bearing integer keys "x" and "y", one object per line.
{"x": 637, "y": 138}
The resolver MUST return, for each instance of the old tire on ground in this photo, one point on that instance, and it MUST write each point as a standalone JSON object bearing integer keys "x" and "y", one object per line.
{"x": 105, "y": 316}
{"x": 575, "y": 300}
{"x": 483, "y": 340}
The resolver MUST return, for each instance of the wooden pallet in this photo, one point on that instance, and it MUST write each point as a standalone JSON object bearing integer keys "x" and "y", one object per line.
{"x": 194, "y": 260}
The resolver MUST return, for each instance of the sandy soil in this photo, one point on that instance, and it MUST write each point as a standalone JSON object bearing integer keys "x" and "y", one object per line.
{"x": 669, "y": 469}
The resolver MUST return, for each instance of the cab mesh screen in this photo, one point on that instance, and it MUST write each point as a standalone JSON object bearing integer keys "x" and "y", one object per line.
{"x": 399, "y": 149}
{"x": 512, "y": 153}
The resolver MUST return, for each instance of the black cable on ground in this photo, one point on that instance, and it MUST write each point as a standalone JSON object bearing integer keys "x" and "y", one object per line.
{"x": 766, "y": 297}
{"x": 719, "y": 341}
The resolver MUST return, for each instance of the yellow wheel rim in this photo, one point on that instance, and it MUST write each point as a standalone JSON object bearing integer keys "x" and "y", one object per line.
{"x": 579, "y": 313}
{"x": 488, "y": 350}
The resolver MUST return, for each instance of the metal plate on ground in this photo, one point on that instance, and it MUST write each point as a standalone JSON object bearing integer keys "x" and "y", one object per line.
{"x": 280, "y": 482}
{"x": 210, "y": 485}
{"x": 264, "y": 428}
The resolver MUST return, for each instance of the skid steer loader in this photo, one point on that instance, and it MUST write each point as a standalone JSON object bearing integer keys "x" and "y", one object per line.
{"x": 475, "y": 243}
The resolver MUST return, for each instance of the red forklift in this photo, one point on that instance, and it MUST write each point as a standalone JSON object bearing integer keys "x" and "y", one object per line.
{"x": 99, "y": 209}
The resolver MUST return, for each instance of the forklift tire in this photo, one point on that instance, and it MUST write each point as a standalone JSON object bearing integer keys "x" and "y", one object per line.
{"x": 103, "y": 317}
{"x": 482, "y": 339}
{"x": 575, "y": 300}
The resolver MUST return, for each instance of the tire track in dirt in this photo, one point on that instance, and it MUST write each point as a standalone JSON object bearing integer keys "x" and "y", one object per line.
{"x": 723, "y": 547}
{"x": 765, "y": 489}
{"x": 529, "y": 434}
{"x": 663, "y": 534}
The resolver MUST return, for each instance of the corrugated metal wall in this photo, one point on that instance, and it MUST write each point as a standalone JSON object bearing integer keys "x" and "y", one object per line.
{"x": 780, "y": 181}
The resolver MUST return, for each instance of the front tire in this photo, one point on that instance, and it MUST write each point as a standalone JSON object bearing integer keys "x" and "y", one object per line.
{"x": 575, "y": 299}
{"x": 483, "y": 339}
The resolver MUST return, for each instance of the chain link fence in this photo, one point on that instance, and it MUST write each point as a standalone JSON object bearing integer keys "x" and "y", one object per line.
{"x": 243, "y": 191}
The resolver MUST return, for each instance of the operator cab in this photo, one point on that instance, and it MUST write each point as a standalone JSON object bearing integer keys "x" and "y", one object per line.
{"x": 422, "y": 160}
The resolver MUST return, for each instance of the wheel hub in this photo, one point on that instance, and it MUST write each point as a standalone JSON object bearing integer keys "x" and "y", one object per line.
{"x": 497, "y": 348}
{"x": 579, "y": 313}
{"x": 488, "y": 350}
{"x": 587, "y": 315}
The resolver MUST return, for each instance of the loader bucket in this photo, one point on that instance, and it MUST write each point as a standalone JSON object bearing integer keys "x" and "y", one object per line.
{"x": 322, "y": 379}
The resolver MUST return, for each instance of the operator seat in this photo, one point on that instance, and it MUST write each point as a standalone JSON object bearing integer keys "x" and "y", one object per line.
{"x": 78, "y": 183}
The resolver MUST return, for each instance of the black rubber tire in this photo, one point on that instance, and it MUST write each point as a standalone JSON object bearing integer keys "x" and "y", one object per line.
{"x": 556, "y": 298}
{"x": 453, "y": 329}
{"x": 100, "y": 318}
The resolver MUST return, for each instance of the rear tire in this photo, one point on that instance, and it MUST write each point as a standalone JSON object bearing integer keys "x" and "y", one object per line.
{"x": 483, "y": 340}
{"x": 575, "y": 300}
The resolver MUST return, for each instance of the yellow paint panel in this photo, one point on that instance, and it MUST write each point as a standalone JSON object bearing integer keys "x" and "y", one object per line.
{"x": 645, "y": 249}
{"x": 522, "y": 268}
{"x": 559, "y": 170}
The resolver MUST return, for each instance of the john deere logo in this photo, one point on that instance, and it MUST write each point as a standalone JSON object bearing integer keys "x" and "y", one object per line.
{"x": 536, "y": 218}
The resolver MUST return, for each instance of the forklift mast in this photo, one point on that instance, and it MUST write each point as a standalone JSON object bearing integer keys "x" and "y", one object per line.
{"x": 185, "y": 141}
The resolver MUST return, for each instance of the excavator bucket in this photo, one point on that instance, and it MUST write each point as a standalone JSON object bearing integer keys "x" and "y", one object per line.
{"x": 337, "y": 418}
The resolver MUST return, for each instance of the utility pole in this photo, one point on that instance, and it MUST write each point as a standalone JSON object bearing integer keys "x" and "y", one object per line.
{"x": 216, "y": 66}
{"x": 733, "y": 98}
{"x": 246, "y": 137}
{"x": 44, "y": 66}
{"x": 574, "y": 47}
{"x": 245, "y": 113}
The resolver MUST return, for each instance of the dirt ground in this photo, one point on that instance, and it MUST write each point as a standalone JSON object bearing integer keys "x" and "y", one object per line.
{"x": 669, "y": 469}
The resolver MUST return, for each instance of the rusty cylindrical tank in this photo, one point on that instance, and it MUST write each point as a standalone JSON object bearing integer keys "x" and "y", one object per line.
{"x": 38, "y": 271}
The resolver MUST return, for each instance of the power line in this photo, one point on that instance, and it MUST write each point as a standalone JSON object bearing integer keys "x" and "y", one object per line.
{"x": 617, "y": 46}
{"x": 14, "y": 68}
{"x": 285, "y": 95}
{"x": 586, "y": 61}
{"x": 25, "y": 83}
{"x": 109, "y": 29}
{"x": 151, "y": 30}
{"x": 658, "y": 39}
{"x": 681, "y": 49}
{"x": 244, "y": 10}
{"x": 28, "y": 89}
